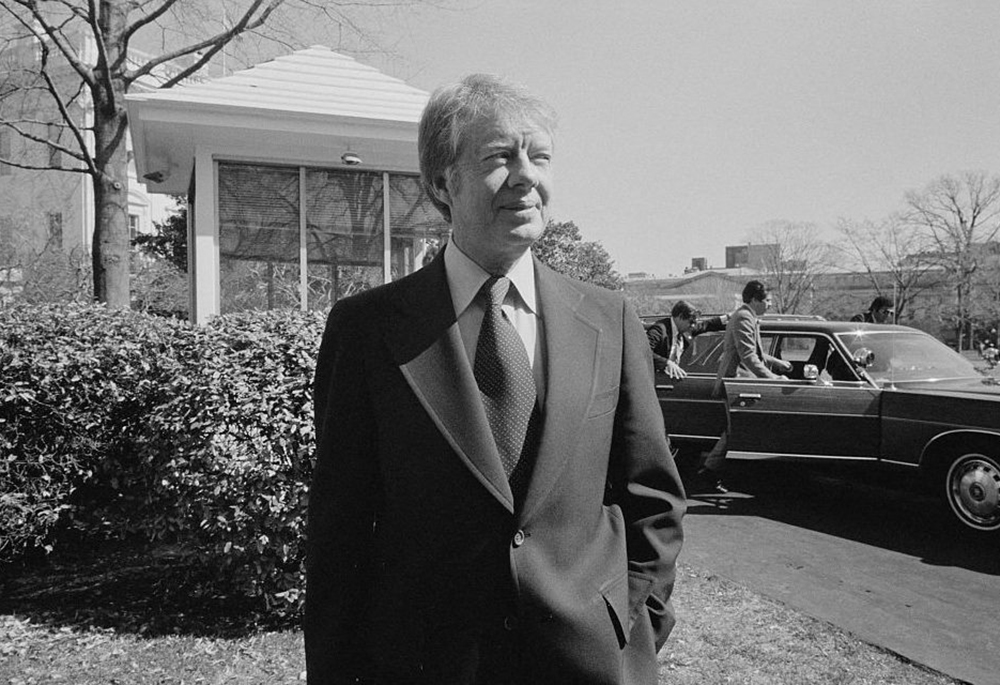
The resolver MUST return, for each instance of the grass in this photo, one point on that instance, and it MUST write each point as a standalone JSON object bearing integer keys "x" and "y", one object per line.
{"x": 123, "y": 616}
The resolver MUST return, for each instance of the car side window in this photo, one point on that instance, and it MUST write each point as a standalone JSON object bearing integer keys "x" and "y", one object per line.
{"x": 795, "y": 348}
{"x": 703, "y": 353}
{"x": 817, "y": 350}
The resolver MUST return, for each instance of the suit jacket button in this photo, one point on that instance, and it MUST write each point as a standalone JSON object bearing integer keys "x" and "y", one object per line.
{"x": 518, "y": 538}
{"x": 510, "y": 622}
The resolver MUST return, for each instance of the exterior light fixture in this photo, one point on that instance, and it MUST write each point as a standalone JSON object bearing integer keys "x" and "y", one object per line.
{"x": 350, "y": 159}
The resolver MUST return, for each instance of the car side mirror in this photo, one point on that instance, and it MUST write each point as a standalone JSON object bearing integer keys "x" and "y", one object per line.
{"x": 810, "y": 372}
{"x": 864, "y": 357}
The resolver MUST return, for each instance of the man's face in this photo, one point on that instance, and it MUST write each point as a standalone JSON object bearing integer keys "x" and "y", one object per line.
{"x": 761, "y": 306}
{"x": 682, "y": 324}
{"x": 881, "y": 314}
{"x": 498, "y": 190}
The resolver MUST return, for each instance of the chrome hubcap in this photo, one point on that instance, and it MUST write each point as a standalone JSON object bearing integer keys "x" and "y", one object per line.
{"x": 974, "y": 491}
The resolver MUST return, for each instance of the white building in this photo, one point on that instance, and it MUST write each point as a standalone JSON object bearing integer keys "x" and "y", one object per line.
{"x": 44, "y": 209}
{"x": 301, "y": 175}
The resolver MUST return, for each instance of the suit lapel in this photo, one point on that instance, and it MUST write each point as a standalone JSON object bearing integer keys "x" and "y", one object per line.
{"x": 571, "y": 358}
{"x": 427, "y": 345}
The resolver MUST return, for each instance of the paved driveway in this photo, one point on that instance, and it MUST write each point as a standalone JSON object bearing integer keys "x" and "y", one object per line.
{"x": 866, "y": 555}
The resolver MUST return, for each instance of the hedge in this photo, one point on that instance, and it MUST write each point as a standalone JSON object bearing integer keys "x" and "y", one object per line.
{"x": 118, "y": 423}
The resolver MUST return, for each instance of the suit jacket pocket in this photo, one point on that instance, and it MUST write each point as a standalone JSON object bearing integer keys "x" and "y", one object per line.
{"x": 604, "y": 402}
{"x": 615, "y": 593}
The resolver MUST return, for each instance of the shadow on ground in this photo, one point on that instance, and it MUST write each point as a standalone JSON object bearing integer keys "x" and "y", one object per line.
{"x": 133, "y": 588}
{"x": 865, "y": 503}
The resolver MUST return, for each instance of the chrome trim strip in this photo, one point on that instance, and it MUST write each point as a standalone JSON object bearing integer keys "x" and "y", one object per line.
{"x": 761, "y": 456}
{"x": 766, "y": 410}
{"x": 900, "y": 463}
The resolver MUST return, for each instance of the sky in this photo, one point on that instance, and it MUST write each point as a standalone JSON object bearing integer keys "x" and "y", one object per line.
{"x": 685, "y": 124}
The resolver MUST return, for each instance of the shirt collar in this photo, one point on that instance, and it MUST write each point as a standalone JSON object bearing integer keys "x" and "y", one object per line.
{"x": 465, "y": 278}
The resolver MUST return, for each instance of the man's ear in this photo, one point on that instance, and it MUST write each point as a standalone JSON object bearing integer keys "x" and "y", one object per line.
{"x": 440, "y": 188}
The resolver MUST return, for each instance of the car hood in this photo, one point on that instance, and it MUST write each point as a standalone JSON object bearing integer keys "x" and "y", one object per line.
{"x": 980, "y": 385}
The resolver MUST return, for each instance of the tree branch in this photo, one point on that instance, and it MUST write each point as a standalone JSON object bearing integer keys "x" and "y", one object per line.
{"x": 54, "y": 34}
{"x": 247, "y": 22}
{"x": 147, "y": 19}
{"x": 67, "y": 118}
{"x": 103, "y": 70}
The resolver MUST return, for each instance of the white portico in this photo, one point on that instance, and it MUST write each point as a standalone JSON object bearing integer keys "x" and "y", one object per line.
{"x": 301, "y": 176}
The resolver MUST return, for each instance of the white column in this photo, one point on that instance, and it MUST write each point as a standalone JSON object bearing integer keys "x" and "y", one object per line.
{"x": 386, "y": 238}
{"x": 204, "y": 269}
{"x": 303, "y": 249}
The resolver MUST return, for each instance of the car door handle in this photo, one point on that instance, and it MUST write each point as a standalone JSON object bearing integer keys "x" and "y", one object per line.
{"x": 747, "y": 398}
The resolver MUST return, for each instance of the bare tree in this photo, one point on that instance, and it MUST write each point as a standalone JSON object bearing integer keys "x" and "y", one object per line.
{"x": 68, "y": 96}
{"x": 960, "y": 215}
{"x": 791, "y": 255}
{"x": 892, "y": 254}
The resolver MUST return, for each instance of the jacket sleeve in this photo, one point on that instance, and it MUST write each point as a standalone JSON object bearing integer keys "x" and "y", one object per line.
{"x": 707, "y": 324}
{"x": 652, "y": 496}
{"x": 746, "y": 346}
{"x": 343, "y": 500}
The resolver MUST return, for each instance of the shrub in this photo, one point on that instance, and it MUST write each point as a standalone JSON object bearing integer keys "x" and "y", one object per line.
{"x": 120, "y": 422}
{"x": 230, "y": 453}
{"x": 76, "y": 386}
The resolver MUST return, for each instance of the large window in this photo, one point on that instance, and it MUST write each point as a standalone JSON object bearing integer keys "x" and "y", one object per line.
{"x": 5, "y": 168}
{"x": 303, "y": 238}
{"x": 55, "y": 237}
{"x": 345, "y": 216}
{"x": 55, "y": 154}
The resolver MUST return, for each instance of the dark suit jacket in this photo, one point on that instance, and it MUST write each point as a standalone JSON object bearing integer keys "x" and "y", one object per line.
{"x": 419, "y": 568}
{"x": 661, "y": 336}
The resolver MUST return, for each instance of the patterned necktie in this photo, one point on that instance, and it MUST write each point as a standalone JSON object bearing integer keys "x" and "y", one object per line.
{"x": 677, "y": 348}
{"x": 503, "y": 374}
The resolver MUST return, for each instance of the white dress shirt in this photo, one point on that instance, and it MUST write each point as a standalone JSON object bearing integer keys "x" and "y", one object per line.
{"x": 465, "y": 278}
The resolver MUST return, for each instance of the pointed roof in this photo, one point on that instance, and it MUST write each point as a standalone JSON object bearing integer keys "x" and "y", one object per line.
{"x": 315, "y": 80}
{"x": 308, "y": 107}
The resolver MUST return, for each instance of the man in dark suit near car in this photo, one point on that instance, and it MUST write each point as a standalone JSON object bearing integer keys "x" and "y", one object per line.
{"x": 742, "y": 355}
{"x": 668, "y": 337}
{"x": 879, "y": 311}
{"x": 494, "y": 500}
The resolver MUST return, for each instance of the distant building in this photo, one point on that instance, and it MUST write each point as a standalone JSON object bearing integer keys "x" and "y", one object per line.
{"x": 49, "y": 209}
{"x": 737, "y": 256}
{"x": 711, "y": 291}
{"x": 699, "y": 264}
{"x": 749, "y": 256}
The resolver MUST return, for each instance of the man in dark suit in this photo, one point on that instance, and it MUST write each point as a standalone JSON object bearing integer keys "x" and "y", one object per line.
{"x": 669, "y": 336}
{"x": 494, "y": 500}
{"x": 742, "y": 355}
{"x": 880, "y": 311}
{"x": 742, "y": 351}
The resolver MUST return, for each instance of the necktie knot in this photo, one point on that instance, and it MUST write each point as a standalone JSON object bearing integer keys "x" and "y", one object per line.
{"x": 494, "y": 290}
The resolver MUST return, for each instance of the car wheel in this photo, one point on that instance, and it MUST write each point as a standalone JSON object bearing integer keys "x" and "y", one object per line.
{"x": 972, "y": 488}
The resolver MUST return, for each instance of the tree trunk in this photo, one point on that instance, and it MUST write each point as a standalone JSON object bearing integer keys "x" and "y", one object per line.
{"x": 110, "y": 247}
{"x": 111, "y": 240}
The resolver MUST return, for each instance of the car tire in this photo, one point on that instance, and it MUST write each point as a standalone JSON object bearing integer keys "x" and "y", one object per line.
{"x": 972, "y": 489}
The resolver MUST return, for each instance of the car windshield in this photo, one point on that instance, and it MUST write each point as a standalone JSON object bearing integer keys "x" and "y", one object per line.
{"x": 908, "y": 356}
